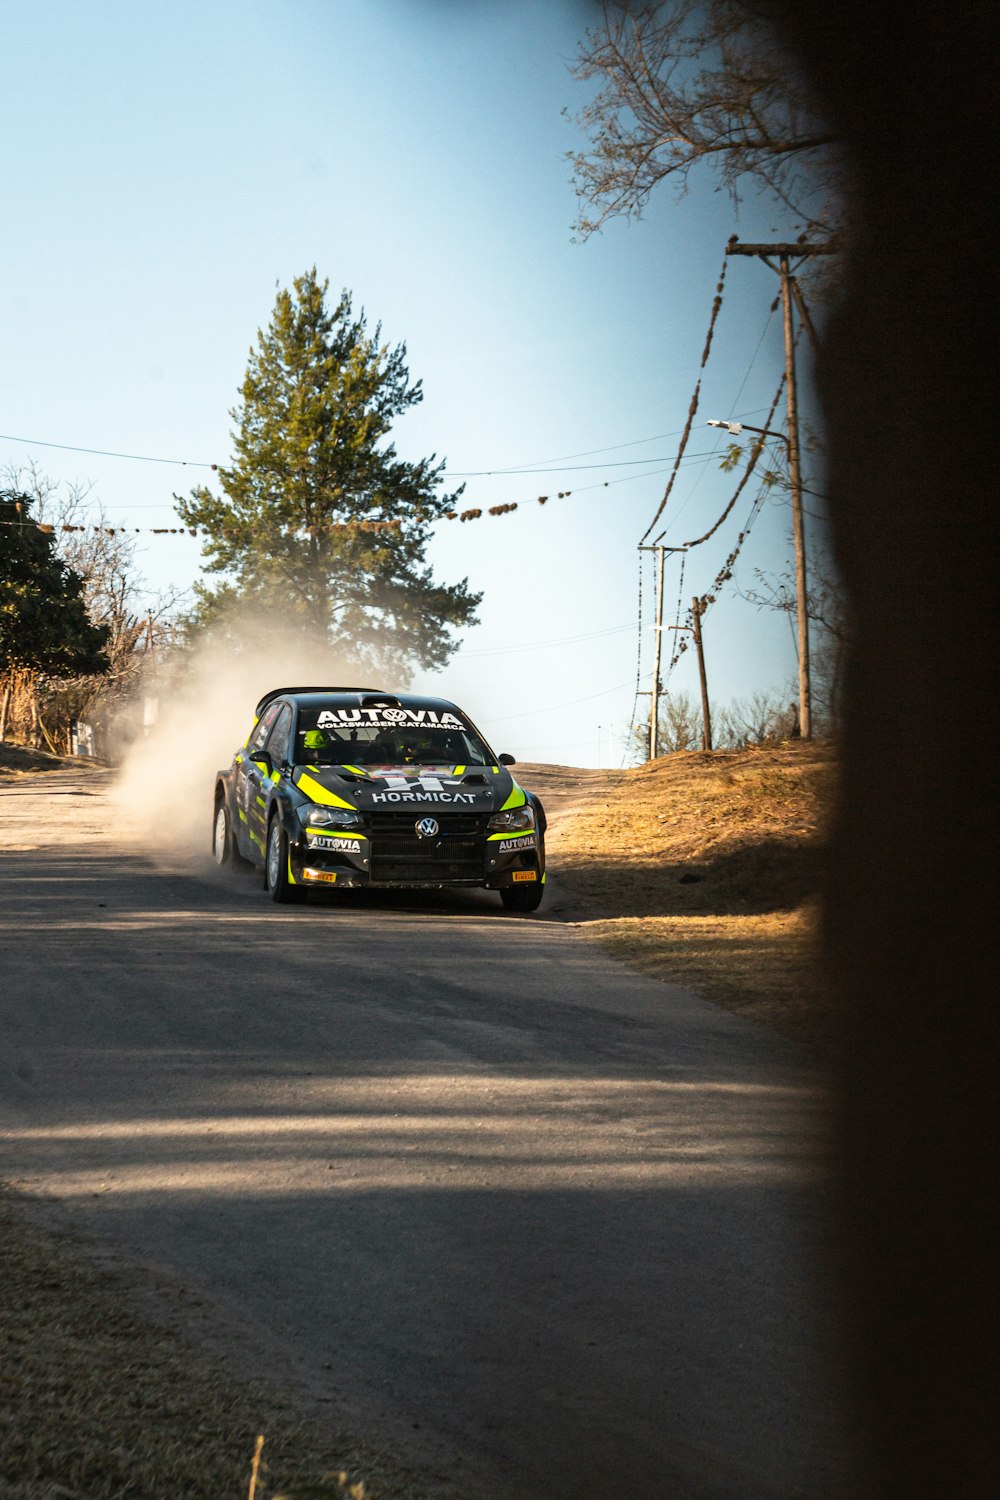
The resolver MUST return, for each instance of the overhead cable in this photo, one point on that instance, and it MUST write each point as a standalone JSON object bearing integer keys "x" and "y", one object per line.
{"x": 756, "y": 450}
{"x": 551, "y": 708}
{"x": 138, "y": 458}
{"x": 692, "y": 409}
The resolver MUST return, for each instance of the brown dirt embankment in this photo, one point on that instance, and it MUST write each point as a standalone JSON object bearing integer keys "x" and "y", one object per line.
{"x": 21, "y": 760}
{"x": 702, "y": 869}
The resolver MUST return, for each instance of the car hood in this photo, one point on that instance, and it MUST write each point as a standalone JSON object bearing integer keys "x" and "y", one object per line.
{"x": 387, "y": 788}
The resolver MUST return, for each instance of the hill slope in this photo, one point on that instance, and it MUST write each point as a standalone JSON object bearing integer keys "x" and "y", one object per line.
{"x": 702, "y": 869}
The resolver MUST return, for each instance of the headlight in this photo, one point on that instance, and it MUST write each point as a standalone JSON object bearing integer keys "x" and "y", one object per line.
{"x": 517, "y": 818}
{"x": 329, "y": 817}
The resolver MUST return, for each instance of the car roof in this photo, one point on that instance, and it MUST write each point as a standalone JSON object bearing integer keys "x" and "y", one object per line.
{"x": 352, "y": 697}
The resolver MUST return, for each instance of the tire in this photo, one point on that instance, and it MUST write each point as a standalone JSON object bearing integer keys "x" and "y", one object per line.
{"x": 523, "y": 897}
{"x": 223, "y": 846}
{"x": 276, "y": 881}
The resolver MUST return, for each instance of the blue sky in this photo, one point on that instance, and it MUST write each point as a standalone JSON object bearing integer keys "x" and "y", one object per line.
{"x": 166, "y": 167}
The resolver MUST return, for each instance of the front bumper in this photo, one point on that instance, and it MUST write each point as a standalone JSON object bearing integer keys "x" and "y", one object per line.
{"x": 389, "y": 854}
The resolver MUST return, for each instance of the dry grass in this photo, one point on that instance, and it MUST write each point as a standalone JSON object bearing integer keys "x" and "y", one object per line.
{"x": 703, "y": 869}
{"x": 99, "y": 1401}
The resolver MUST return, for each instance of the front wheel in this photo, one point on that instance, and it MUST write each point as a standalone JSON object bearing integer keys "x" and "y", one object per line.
{"x": 222, "y": 836}
{"x": 279, "y": 887}
{"x": 523, "y": 897}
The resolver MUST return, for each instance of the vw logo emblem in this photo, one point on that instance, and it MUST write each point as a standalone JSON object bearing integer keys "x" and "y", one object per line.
{"x": 427, "y": 828}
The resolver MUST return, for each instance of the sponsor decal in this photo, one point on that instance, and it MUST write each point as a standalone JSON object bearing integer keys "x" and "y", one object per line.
{"x": 424, "y": 796}
{"x": 386, "y": 718}
{"x": 507, "y": 846}
{"x": 427, "y": 828}
{"x": 382, "y": 773}
{"x": 330, "y": 841}
{"x": 525, "y": 875}
{"x": 328, "y": 875}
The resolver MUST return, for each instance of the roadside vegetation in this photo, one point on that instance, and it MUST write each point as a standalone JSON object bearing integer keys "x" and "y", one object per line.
{"x": 100, "y": 1398}
{"x": 703, "y": 869}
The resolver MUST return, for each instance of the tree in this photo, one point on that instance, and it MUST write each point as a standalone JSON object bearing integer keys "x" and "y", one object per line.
{"x": 760, "y": 719}
{"x": 44, "y": 626}
{"x": 320, "y": 521}
{"x": 139, "y": 626}
{"x": 685, "y": 82}
{"x": 679, "y": 727}
{"x": 828, "y": 613}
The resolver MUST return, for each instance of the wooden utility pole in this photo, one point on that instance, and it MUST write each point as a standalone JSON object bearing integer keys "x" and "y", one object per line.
{"x": 706, "y": 713}
{"x": 789, "y": 291}
{"x": 657, "y": 688}
{"x": 654, "y": 701}
{"x": 798, "y": 520}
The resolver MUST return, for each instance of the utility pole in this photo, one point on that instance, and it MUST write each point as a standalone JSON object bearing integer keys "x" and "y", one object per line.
{"x": 706, "y": 713}
{"x": 657, "y": 688}
{"x": 789, "y": 291}
{"x": 654, "y": 701}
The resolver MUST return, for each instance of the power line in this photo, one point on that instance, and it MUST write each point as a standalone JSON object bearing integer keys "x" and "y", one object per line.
{"x": 138, "y": 458}
{"x": 755, "y": 452}
{"x": 475, "y": 513}
{"x": 679, "y": 645}
{"x": 529, "y": 465}
{"x": 536, "y": 467}
{"x": 559, "y": 458}
{"x": 692, "y": 409}
{"x": 749, "y": 370}
{"x": 622, "y": 463}
{"x": 566, "y": 640}
{"x": 552, "y": 707}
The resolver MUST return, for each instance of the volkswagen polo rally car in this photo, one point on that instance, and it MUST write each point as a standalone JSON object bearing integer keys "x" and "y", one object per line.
{"x": 344, "y": 787}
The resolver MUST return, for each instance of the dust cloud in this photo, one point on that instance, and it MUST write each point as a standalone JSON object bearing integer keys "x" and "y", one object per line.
{"x": 204, "y": 704}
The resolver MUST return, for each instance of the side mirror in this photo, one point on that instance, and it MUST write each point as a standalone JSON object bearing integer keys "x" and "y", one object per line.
{"x": 263, "y": 758}
{"x": 506, "y": 760}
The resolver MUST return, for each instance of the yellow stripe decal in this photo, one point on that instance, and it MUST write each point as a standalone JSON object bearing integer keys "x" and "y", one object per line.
{"x": 317, "y": 793}
{"x": 337, "y": 833}
{"x": 358, "y": 770}
{"x": 516, "y": 799}
{"x": 512, "y": 833}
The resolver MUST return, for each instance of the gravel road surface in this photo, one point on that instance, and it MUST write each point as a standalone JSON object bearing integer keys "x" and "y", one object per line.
{"x": 547, "y": 1226}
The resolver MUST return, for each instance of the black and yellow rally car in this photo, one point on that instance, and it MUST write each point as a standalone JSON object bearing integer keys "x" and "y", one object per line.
{"x": 341, "y": 787}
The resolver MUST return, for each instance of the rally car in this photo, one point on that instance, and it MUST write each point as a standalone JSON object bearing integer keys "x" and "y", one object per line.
{"x": 341, "y": 787}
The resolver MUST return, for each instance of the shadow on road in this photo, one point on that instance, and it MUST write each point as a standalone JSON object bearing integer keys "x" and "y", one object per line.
{"x": 491, "y": 1189}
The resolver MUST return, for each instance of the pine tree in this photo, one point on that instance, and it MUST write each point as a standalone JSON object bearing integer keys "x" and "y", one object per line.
{"x": 312, "y": 470}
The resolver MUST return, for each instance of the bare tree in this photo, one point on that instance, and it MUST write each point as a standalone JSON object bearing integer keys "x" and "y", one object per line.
{"x": 679, "y": 727}
{"x": 103, "y": 554}
{"x": 686, "y": 82}
{"x": 760, "y": 719}
{"x": 828, "y": 612}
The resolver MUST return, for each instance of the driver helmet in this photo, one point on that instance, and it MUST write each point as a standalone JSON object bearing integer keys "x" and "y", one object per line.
{"x": 315, "y": 739}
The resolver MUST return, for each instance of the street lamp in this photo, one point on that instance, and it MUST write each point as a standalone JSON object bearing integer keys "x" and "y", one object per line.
{"x": 735, "y": 428}
{"x": 799, "y": 539}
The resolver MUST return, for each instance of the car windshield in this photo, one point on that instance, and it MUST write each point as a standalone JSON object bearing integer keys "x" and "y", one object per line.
{"x": 329, "y": 735}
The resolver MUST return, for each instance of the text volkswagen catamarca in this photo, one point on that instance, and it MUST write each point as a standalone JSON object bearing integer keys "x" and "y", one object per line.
{"x": 340, "y": 787}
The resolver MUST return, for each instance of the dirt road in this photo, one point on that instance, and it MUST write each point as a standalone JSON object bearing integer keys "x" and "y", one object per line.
{"x": 536, "y": 1220}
